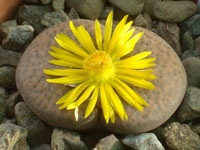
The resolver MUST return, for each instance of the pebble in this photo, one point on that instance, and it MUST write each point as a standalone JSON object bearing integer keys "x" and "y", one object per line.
{"x": 187, "y": 42}
{"x": 174, "y": 11}
{"x": 190, "y": 107}
{"x": 53, "y": 18}
{"x": 7, "y": 77}
{"x": 191, "y": 25}
{"x": 38, "y": 131}
{"x": 88, "y": 8}
{"x": 73, "y": 14}
{"x": 33, "y": 14}
{"x": 66, "y": 140}
{"x": 171, "y": 33}
{"x": 9, "y": 58}
{"x": 42, "y": 147}
{"x": 45, "y": 1}
{"x": 198, "y": 6}
{"x": 193, "y": 73}
{"x": 109, "y": 143}
{"x": 196, "y": 128}
{"x": 197, "y": 45}
{"x": 58, "y": 5}
{"x": 17, "y": 37}
{"x": 145, "y": 141}
{"x": 3, "y": 92}
{"x": 148, "y": 6}
{"x": 106, "y": 11}
{"x": 190, "y": 53}
{"x": 3, "y": 107}
{"x": 13, "y": 137}
{"x": 9, "y": 121}
{"x": 11, "y": 101}
{"x": 141, "y": 21}
{"x": 4, "y": 26}
{"x": 181, "y": 137}
{"x": 132, "y": 7}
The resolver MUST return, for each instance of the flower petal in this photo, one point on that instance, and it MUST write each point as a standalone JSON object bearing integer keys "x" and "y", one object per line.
{"x": 108, "y": 30}
{"x": 65, "y": 72}
{"x": 98, "y": 35}
{"x": 64, "y": 63}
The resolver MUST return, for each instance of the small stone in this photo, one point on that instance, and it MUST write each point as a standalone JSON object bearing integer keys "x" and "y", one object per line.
{"x": 190, "y": 53}
{"x": 33, "y": 14}
{"x": 190, "y": 107}
{"x": 191, "y": 25}
{"x": 192, "y": 66}
{"x": 181, "y": 137}
{"x": 41, "y": 147}
{"x": 132, "y": 7}
{"x": 148, "y": 6}
{"x": 106, "y": 11}
{"x": 3, "y": 107}
{"x": 17, "y": 37}
{"x": 109, "y": 143}
{"x": 171, "y": 33}
{"x": 45, "y": 1}
{"x": 88, "y": 8}
{"x": 146, "y": 141}
{"x": 197, "y": 45}
{"x": 32, "y": 1}
{"x": 4, "y": 27}
{"x": 11, "y": 101}
{"x": 73, "y": 14}
{"x": 66, "y": 140}
{"x": 196, "y": 128}
{"x": 53, "y": 18}
{"x": 58, "y": 5}
{"x": 13, "y": 137}
{"x": 187, "y": 42}
{"x": 3, "y": 92}
{"x": 9, "y": 121}
{"x": 174, "y": 11}
{"x": 38, "y": 131}
{"x": 141, "y": 21}
{"x": 9, "y": 58}
{"x": 7, "y": 77}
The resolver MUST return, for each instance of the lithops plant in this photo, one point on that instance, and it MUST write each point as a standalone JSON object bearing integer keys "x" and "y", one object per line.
{"x": 42, "y": 96}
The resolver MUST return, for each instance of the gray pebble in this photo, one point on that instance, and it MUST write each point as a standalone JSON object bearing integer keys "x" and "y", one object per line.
{"x": 38, "y": 131}
{"x": 41, "y": 147}
{"x": 45, "y": 1}
{"x": 58, "y": 5}
{"x": 11, "y": 101}
{"x": 187, "y": 42}
{"x": 3, "y": 92}
{"x": 7, "y": 77}
{"x": 4, "y": 26}
{"x": 143, "y": 21}
{"x": 148, "y": 6}
{"x": 190, "y": 53}
{"x": 197, "y": 45}
{"x": 73, "y": 14}
{"x": 3, "y": 108}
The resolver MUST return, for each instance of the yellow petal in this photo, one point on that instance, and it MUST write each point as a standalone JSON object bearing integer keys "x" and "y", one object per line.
{"x": 65, "y": 72}
{"x": 108, "y": 30}
{"x": 64, "y": 63}
{"x": 98, "y": 35}
{"x": 70, "y": 45}
{"x": 137, "y": 82}
{"x": 92, "y": 102}
{"x": 82, "y": 98}
{"x": 68, "y": 80}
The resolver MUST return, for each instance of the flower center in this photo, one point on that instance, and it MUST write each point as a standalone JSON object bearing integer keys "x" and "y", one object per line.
{"x": 100, "y": 66}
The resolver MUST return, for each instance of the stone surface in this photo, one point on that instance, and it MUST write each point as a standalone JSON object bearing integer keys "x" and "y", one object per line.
{"x": 33, "y": 14}
{"x": 106, "y": 11}
{"x": 17, "y": 37}
{"x": 193, "y": 73}
{"x": 4, "y": 26}
{"x": 58, "y": 5}
{"x": 148, "y": 6}
{"x": 197, "y": 45}
{"x": 181, "y": 137}
{"x": 66, "y": 140}
{"x": 41, "y": 97}
{"x": 9, "y": 121}
{"x": 73, "y": 14}
{"x": 191, "y": 25}
{"x": 190, "y": 53}
{"x": 146, "y": 141}
{"x": 187, "y": 42}
{"x": 196, "y": 128}
{"x": 9, "y": 58}
{"x": 53, "y": 18}
{"x": 132, "y": 7}
{"x": 45, "y": 1}
{"x": 109, "y": 143}
{"x": 11, "y": 101}
{"x": 38, "y": 131}
{"x": 190, "y": 107}
{"x": 171, "y": 33}
{"x": 88, "y": 8}
{"x": 3, "y": 107}
{"x": 141, "y": 21}
{"x": 13, "y": 137}
{"x": 41, "y": 147}
{"x": 3, "y": 92}
{"x": 174, "y": 11}
{"x": 7, "y": 77}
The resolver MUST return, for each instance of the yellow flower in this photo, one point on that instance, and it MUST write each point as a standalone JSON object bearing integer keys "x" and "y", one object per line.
{"x": 100, "y": 71}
